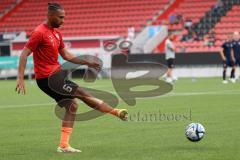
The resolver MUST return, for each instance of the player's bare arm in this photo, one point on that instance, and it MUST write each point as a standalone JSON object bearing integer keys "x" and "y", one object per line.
{"x": 232, "y": 55}
{"x": 20, "y": 88}
{"x": 172, "y": 48}
{"x": 66, "y": 55}
{"x": 222, "y": 55}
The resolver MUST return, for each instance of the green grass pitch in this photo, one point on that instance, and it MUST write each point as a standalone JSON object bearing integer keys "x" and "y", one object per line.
{"x": 30, "y": 130}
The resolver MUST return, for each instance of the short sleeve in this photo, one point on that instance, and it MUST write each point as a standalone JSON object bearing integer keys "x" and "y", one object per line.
{"x": 34, "y": 41}
{"x": 61, "y": 46}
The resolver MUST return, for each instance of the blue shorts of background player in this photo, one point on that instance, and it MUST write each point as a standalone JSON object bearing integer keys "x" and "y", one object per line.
{"x": 237, "y": 62}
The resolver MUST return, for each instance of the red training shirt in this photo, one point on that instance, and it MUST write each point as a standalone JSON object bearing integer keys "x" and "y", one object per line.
{"x": 45, "y": 44}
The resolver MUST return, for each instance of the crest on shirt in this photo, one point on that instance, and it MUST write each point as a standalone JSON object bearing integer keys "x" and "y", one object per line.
{"x": 51, "y": 39}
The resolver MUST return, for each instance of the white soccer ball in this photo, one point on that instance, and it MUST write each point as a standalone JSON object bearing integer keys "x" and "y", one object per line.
{"x": 194, "y": 132}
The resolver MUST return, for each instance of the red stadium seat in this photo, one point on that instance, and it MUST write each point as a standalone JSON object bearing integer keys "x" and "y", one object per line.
{"x": 88, "y": 17}
{"x": 228, "y": 24}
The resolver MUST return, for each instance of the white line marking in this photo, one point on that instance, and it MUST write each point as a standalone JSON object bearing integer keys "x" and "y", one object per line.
{"x": 26, "y": 105}
{"x": 225, "y": 92}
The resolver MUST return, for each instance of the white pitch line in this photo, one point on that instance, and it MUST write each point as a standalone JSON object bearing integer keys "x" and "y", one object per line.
{"x": 171, "y": 94}
{"x": 26, "y": 105}
{"x": 205, "y": 93}
{"x": 228, "y": 92}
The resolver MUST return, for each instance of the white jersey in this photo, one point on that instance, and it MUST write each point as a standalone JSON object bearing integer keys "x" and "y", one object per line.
{"x": 169, "y": 47}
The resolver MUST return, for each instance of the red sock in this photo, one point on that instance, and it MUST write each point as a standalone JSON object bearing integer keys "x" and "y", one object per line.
{"x": 65, "y": 136}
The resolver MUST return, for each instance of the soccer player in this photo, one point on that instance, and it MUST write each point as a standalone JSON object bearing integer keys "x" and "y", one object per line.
{"x": 170, "y": 57}
{"x": 236, "y": 49}
{"x": 227, "y": 57}
{"x": 46, "y": 43}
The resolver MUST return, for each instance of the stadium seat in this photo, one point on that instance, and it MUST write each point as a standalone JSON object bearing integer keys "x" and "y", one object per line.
{"x": 88, "y": 17}
{"x": 193, "y": 10}
{"x": 6, "y": 4}
{"x": 228, "y": 24}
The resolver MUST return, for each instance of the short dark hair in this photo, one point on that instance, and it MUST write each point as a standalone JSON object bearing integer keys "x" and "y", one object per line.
{"x": 54, "y": 6}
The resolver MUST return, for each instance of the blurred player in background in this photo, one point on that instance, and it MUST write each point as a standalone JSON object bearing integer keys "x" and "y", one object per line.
{"x": 236, "y": 49}
{"x": 170, "y": 50}
{"x": 228, "y": 59}
{"x": 46, "y": 43}
{"x": 131, "y": 34}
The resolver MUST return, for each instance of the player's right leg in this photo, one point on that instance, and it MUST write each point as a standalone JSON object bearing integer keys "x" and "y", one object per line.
{"x": 224, "y": 72}
{"x": 232, "y": 76}
{"x": 169, "y": 78}
{"x": 170, "y": 64}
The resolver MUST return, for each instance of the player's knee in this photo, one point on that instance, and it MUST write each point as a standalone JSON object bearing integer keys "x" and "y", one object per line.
{"x": 74, "y": 106}
{"x": 71, "y": 106}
